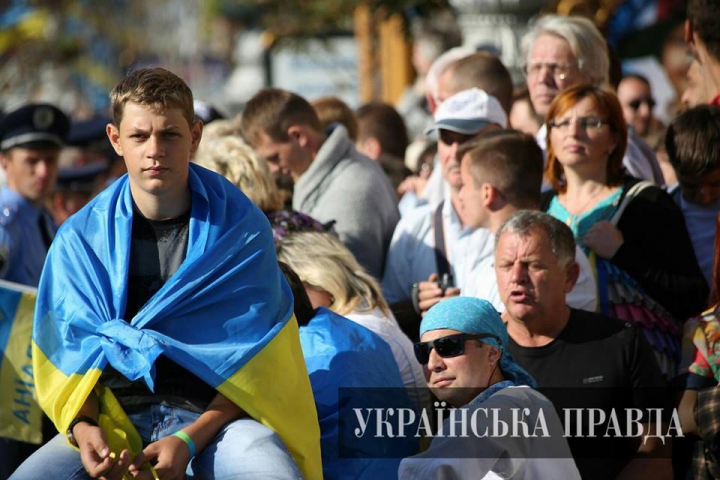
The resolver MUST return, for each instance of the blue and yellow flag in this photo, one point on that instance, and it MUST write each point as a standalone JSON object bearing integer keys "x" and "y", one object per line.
{"x": 20, "y": 414}
{"x": 226, "y": 316}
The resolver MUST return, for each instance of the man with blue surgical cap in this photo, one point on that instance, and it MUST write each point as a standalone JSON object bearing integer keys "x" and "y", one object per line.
{"x": 466, "y": 365}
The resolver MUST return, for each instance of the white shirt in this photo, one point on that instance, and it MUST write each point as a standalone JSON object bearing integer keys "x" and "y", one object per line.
{"x": 436, "y": 188}
{"x": 481, "y": 282}
{"x": 386, "y": 327}
{"x": 411, "y": 257}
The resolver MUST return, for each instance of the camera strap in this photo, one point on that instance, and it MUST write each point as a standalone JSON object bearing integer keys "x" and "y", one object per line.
{"x": 443, "y": 265}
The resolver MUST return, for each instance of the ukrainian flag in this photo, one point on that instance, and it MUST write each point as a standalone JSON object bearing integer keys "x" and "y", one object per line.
{"x": 20, "y": 414}
{"x": 226, "y": 316}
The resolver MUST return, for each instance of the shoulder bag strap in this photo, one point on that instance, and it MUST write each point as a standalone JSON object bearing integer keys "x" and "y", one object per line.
{"x": 441, "y": 259}
{"x": 629, "y": 196}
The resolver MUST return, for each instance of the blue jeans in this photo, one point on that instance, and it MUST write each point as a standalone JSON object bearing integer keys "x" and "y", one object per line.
{"x": 243, "y": 449}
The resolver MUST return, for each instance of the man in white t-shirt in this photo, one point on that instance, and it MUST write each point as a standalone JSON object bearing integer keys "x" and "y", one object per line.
{"x": 501, "y": 174}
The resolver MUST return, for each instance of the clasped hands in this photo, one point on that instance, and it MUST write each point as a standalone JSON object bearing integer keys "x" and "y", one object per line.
{"x": 169, "y": 456}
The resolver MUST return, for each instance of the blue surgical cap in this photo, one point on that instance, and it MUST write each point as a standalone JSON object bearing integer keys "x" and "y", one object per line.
{"x": 473, "y": 315}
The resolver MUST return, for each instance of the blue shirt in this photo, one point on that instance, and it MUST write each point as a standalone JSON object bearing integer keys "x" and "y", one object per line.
{"x": 22, "y": 249}
{"x": 700, "y": 222}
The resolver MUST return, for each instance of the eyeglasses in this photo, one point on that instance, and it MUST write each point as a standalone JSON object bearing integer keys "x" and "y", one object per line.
{"x": 585, "y": 123}
{"x": 450, "y": 346}
{"x": 635, "y": 104}
{"x": 559, "y": 71}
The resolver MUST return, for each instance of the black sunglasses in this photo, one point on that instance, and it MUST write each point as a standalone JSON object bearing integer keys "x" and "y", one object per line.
{"x": 635, "y": 104}
{"x": 450, "y": 346}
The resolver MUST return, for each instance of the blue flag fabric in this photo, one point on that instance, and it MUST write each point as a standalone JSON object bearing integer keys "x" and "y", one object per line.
{"x": 350, "y": 368}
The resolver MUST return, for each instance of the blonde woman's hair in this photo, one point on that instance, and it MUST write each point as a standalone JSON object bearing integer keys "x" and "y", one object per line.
{"x": 214, "y": 131}
{"x": 322, "y": 261}
{"x": 232, "y": 158}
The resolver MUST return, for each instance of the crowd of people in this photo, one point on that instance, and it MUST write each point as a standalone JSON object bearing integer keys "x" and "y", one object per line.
{"x": 223, "y": 298}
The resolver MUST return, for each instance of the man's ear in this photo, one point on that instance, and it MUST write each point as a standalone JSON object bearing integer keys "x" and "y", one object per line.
{"x": 114, "y": 136}
{"x": 4, "y": 159}
{"x": 432, "y": 105}
{"x": 196, "y": 135}
{"x": 689, "y": 33}
{"x": 491, "y": 195}
{"x": 299, "y": 134}
{"x": 572, "y": 271}
{"x": 370, "y": 147}
{"x": 494, "y": 354}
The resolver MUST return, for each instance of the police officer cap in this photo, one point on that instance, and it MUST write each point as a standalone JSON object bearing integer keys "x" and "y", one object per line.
{"x": 84, "y": 133}
{"x": 80, "y": 179}
{"x": 37, "y": 125}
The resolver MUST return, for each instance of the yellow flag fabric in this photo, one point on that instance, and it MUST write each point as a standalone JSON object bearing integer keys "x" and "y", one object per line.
{"x": 20, "y": 414}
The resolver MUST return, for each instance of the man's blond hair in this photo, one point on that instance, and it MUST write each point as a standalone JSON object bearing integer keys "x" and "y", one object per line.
{"x": 156, "y": 88}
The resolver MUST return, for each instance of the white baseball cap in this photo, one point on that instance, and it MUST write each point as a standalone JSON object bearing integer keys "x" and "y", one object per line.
{"x": 468, "y": 112}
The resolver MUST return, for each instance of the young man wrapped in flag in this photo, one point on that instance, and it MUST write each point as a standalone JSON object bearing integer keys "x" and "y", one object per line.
{"x": 163, "y": 331}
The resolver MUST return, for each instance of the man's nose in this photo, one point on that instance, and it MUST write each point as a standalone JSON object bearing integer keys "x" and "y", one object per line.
{"x": 518, "y": 273}
{"x": 644, "y": 110}
{"x": 546, "y": 75}
{"x": 42, "y": 169}
{"x": 435, "y": 361}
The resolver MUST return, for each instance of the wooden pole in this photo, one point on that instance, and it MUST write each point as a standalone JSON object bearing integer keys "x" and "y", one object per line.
{"x": 364, "y": 33}
{"x": 395, "y": 64}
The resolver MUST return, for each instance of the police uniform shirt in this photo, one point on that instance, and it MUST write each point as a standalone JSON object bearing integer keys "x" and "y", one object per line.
{"x": 23, "y": 244}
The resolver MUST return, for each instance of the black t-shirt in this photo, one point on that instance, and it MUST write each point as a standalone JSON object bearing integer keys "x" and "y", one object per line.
{"x": 596, "y": 362}
{"x": 158, "y": 248}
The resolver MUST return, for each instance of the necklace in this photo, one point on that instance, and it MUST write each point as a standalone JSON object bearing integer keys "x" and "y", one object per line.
{"x": 574, "y": 218}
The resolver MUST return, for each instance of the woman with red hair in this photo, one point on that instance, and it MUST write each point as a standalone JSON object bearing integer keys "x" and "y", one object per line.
{"x": 632, "y": 230}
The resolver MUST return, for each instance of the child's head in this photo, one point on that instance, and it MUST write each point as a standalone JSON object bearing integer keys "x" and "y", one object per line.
{"x": 156, "y": 133}
{"x": 691, "y": 143}
{"x": 156, "y": 88}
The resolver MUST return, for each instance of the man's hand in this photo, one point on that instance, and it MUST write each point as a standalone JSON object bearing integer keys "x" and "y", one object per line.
{"x": 604, "y": 239}
{"x": 96, "y": 456}
{"x": 430, "y": 293}
{"x": 170, "y": 457}
{"x": 412, "y": 184}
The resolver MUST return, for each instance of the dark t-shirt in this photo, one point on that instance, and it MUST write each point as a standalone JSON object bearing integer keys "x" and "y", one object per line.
{"x": 596, "y": 362}
{"x": 158, "y": 248}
